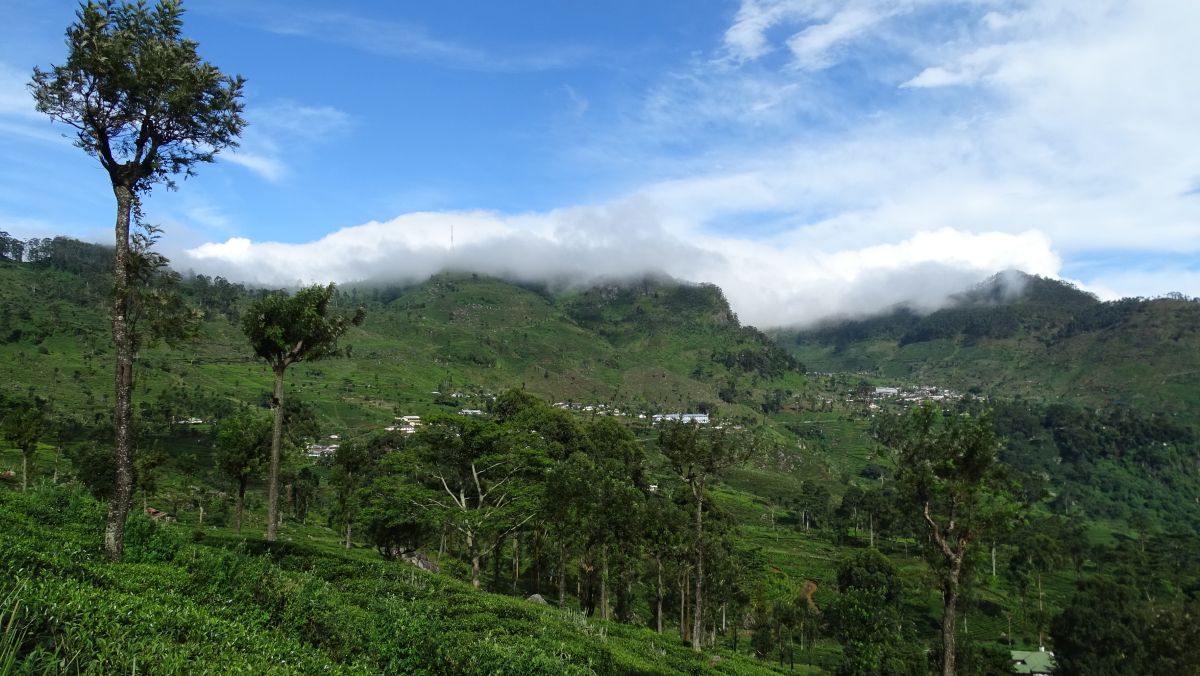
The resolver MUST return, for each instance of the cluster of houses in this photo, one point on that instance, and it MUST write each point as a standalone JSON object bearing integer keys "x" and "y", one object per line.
{"x": 322, "y": 450}
{"x": 918, "y": 394}
{"x": 696, "y": 418}
{"x": 405, "y": 424}
{"x": 595, "y": 409}
{"x": 603, "y": 409}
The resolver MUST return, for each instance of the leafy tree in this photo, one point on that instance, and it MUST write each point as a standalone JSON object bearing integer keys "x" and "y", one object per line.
{"x": 149, "y": 460}
{"x": 392, "y": 516}
{"x": 1036, "y": 554}
{"x": 351, "y": 465}
{"x": 1108, "y": 629}
{"x": 947, "y": 470}
{"x": 285, "y": 330}
{"x": 664, "y": 538}
{"x": 480, "y": 477}
{"x": 811, "y": 505}
{"x": 94, "y": 468}
{"x": 23, "y": 426}
{"x": 241, "y": 453}
{"x": 700, "y": 454}
{"x": 866, "y": 619}
{"x": 593, "y": 499}
{"x": 304, "y": 491}
{"x": 620, "y": 505}
{"x": 148, "y": 108}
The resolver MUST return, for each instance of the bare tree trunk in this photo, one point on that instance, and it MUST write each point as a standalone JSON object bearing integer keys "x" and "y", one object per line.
{"x": 347, "y": 533}
{"x": 241, "y": 505}
{"x": 473, "y": 552}
{"x": 516, "y": 561}
{"x": 118, "y": 506}
{"x": 949, "y": 616}
{"x": 24, "y": 471}
{"x": 562, "y": 575}
{"x": 697, "y": 604}
{"x": 683, "y": 609}
{"x": 658, "y": 597}
{"x": 497, "y": 549}
{"x": 604, "y": 582}
{"x": 537, "y": 561}
{"x": 276, "y": 441}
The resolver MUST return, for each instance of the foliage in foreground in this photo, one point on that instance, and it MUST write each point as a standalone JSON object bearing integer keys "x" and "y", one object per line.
{"x": 248, "y": 607}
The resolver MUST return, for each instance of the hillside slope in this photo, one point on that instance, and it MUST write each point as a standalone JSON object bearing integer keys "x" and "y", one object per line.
{"x": 646, "y": 350}
{"x": 1049, "y": 342}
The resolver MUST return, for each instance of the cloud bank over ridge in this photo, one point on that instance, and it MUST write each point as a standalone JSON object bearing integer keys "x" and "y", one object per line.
{"x": 768, "y": 283}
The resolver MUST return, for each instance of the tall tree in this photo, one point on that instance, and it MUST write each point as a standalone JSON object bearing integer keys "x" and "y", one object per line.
{"x": 664, "y": 535}
{"x": 351, "y": 468}
{"x": 947, "y": 470}
{"x": 23, "y": 426}
{"x": 699, "y": 454}
{"x": 285, "y": 330}
{"x": 143, "y": 103}
{"x": 242, "y": 444}
{"x": 480, "y": 477}
{"x": 866, "y": 618}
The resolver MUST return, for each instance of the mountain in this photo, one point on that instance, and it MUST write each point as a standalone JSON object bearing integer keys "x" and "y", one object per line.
{"x": 649, "y": 346}
{"x": 1018, "y": 335}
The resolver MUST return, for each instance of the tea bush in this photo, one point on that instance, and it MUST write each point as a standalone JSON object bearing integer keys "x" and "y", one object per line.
{"x": 234, "y": 606}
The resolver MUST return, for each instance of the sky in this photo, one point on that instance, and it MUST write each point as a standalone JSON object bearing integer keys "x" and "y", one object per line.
{"x": 813, "y": 158}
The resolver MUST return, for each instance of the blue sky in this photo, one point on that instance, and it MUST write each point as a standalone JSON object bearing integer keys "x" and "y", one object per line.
{"x": 812, "y": 157}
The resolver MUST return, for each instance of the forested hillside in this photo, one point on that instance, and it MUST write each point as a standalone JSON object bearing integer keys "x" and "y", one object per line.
{"x": 1018, "y": 335}
{"x": 536, "y": 471}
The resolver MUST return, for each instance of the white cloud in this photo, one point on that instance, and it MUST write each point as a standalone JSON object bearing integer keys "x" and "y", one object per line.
{"x": 383, "y": 37}
{"x": 19, "y": 117}
{"x": 271, "y": 168}
{"x": 767, "y": 284}
{"x": 746, "y": 38}
{"x": 812, "y": 46}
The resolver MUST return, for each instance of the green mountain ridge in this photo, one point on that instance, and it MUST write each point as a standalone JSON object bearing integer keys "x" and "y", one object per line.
{"x": 647, "y": 346}
{"x": 1050, "y": 342}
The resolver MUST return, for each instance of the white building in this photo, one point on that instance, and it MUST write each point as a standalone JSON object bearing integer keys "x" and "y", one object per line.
{"x": 697, "y": 418}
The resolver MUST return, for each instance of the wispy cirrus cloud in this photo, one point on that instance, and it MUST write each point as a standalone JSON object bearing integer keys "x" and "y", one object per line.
{"x": 813, "y": 47}
{"x": 269, "y": 144}
{"x": 392, "y": 38}
{"x": 19, "y": 118}
{"x": 15, "y": 99}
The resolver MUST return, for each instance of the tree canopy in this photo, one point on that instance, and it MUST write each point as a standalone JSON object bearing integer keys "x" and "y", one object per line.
{"x": 137, "y": 93}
